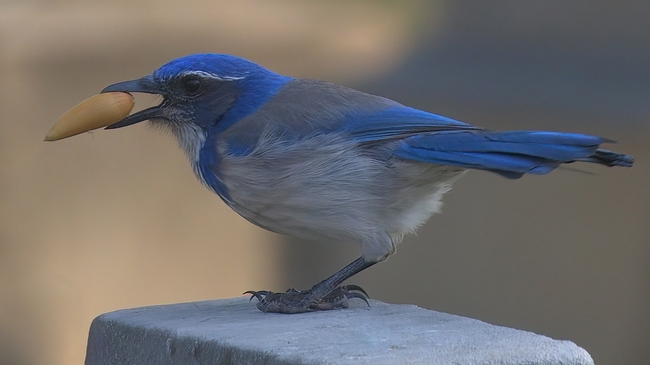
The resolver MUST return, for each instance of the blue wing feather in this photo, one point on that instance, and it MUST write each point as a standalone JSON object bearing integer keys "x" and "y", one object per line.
{"x": 510, "y": 153}
{"x": 436, "y": 139}
{"x": 397, "y": 122}
{"x": 550, "y": 145}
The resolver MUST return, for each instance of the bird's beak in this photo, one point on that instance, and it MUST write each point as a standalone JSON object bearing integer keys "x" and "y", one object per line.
{"x": 143, "y": 85}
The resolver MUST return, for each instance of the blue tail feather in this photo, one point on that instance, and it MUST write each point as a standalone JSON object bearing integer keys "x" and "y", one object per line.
{"x": 511, "y": 153}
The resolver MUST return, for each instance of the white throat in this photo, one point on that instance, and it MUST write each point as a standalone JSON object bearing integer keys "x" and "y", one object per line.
{"x": 190, "y": 138}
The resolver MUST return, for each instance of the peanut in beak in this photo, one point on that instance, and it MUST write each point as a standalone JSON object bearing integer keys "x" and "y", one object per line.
{"x": 95, "y": 112}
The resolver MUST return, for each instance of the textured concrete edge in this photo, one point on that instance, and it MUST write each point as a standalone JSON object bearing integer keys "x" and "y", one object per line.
{"x": 183, "y": 333}
{"x": 582, "y": 356}
{"x": 110, "y": 342}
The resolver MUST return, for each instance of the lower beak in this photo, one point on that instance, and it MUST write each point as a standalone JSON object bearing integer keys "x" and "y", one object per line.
{"x": 143, "y": 85}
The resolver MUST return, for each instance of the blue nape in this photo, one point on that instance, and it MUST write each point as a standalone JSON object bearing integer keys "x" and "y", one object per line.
{"x": 255, "y": 93}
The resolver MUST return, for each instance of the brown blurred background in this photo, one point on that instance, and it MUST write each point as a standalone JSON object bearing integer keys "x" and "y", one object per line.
{"x": 116, "y": 219}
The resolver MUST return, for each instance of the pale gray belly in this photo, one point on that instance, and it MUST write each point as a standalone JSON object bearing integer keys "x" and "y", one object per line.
{"x": 327, "y": 189}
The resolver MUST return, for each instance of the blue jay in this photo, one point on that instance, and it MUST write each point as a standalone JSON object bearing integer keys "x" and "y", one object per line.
{"x": 321, "y": 161}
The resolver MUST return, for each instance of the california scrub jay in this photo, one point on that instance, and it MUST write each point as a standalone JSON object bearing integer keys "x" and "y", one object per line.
{"x": 321, "y": 161}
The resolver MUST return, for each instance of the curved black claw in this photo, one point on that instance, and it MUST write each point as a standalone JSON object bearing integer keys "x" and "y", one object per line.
{"x": 349, "y": 292}
{"x": 357, "y": 288}
{"x": 300, "y": 301}
{"x": 259, "y": 295}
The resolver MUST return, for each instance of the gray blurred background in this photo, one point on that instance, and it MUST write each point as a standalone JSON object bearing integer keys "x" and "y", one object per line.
{"x": 115, "y": 219}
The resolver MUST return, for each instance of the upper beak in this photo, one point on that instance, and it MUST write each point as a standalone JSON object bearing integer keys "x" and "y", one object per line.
{"x": 143, "y": 85}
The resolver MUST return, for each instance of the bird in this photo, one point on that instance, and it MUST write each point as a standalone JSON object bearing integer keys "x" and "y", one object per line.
{"x": 321, "y": 161}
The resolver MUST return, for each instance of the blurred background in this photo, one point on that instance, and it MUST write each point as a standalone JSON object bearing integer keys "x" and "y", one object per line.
{"x": 116, "y": 219}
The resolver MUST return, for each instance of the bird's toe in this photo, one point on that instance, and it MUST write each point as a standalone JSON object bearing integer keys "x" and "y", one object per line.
{"x": 300, "y": 301}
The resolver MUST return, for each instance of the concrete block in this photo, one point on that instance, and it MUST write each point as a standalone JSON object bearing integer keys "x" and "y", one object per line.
{"x": 233, "y": 331}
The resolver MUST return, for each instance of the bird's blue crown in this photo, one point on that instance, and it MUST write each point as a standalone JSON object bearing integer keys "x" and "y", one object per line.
{"x": 224, "y": 66}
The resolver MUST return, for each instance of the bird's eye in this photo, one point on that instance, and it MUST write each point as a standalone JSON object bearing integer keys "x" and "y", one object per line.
{"x": 192, "y": 85}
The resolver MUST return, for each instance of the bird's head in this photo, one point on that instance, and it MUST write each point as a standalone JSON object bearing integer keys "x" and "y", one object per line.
{"x": 201, "y": 94}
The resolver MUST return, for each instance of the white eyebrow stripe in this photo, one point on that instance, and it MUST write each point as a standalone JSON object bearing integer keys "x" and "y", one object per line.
{"x": 209, "y": 75}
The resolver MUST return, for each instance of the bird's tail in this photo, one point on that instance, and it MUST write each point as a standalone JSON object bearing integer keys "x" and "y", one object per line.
{"x": 511, "y": 153}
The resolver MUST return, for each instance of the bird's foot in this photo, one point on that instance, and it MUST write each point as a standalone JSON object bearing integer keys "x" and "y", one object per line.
{"x": 300, "y": 301}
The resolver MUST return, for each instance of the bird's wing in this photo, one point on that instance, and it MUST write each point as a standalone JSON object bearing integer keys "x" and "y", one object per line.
{"x": 303, "y": 108}
{"x": 427, "y": 137}
{"x": 508, "y": 153}
{"x": 397, "y": 122}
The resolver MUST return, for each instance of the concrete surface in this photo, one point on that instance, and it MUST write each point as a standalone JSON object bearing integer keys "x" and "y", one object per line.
{"x": 233, "y": 331}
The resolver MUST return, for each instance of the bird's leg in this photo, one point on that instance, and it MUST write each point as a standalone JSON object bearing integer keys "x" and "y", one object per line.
{"x": 328, "y": 294}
